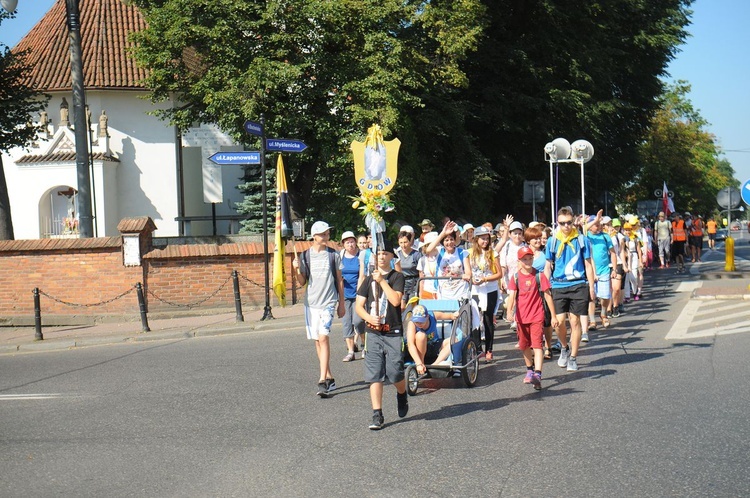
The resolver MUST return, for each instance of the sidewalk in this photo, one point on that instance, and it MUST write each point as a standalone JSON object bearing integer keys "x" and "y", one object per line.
{"x": 178, "y": 325}
{"x": 716, "y": 283}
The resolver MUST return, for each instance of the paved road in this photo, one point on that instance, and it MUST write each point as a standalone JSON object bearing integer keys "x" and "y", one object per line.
{"x": 236, "y": 415}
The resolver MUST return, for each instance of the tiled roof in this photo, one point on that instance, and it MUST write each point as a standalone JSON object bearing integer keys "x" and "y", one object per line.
{"x": 105, "y": 26}
{"x": 20, "y": 246}
{"x": 136, "y": 225}
{"x": 63, "y": 157}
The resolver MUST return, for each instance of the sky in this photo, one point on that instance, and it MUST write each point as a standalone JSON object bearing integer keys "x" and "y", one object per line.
{"x": 713, "y": 60}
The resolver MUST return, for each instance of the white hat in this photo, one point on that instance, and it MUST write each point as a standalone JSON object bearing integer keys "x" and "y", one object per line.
{"x": 467, "y": 226}
{"x": 430, "y": 237}
{"x": 516, "y": 225}
{"x": 407, "y": 228}
{"x": 533, "y": 224}
{"x": 606, "y": 219}
{"x": 347, "y": 235}
{"x": 319, "y": 227}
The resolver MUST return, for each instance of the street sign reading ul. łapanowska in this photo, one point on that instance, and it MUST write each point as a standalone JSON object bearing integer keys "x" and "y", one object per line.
{"x": 745, "y": 192}
{"x": 253, "y": 128}
{"x": 225, "y": 158}
{"x": 283, "y": 145}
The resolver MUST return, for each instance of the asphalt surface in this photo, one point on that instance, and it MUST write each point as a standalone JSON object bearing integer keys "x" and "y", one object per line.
{"x": 234, "y": 413}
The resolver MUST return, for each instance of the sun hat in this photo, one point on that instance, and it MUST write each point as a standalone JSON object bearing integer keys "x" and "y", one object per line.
{"x": 347, "y": 235}
{"x": 516, "y": 225}
{"x": 616, "y": 222}
{"x": 427, "y": 222}
{"x": 319, "y": 227}
{"x": 419, "y": 314}
{"x": 627, "y": 226}
{"x": 482, "y": 230}
{"x": 533, "y": 224}
{"x": 431, "y": 237}
{"x": 525, "y": 251}
{"x": 467, "y": 226}
{"x": 406, "y": 228}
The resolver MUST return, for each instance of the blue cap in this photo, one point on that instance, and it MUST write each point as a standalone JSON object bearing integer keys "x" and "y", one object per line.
{"x": 419, "y": 314}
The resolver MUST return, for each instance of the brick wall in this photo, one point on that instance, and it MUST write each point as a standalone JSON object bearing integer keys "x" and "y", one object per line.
{"x": 89, "y": 271}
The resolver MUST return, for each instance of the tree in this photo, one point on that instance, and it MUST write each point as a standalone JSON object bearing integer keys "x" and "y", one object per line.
{"x": 678, "y": 149}
{"x": 18, "y": 103}
{"x": 319, "y": 71}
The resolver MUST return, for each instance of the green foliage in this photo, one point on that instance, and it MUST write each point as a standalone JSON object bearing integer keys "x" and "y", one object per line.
{"x": 252, "y": 204}
{"x": 677, "y": 149}
{"x": 472, "y": 88}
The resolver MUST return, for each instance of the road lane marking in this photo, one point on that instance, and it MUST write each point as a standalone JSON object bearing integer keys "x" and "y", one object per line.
{"x": 23, "y": 397}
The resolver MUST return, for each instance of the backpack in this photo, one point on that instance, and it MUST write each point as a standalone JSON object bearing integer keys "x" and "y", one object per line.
{"x": 538, "y": 284}
{"x": 459, "y": 251}
{"x": 305, "y": 266}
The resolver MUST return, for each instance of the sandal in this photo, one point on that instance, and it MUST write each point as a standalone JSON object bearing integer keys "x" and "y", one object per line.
{"x": 547, "y": 354}
{"x": 605, "y": 322}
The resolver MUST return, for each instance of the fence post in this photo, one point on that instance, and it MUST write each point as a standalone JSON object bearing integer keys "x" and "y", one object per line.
{"x": 142, "y": 307}
{"x": 237, "y": 300}
{"x": 37, "y": 317}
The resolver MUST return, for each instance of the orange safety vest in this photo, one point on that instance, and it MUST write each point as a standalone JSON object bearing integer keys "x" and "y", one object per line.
{"x": 697, "y": 228}
{"x": 678, "y": 231}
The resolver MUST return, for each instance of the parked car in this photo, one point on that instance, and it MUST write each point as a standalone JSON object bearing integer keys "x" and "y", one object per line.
{"x": 721, "y": 234}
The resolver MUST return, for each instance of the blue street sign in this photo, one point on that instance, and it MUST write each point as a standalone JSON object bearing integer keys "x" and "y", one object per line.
{"x": 224, "y": 158}
{"x": 283, "y": 145}
{"x": 745, "y": 192}
{"x": 253, "y": 128}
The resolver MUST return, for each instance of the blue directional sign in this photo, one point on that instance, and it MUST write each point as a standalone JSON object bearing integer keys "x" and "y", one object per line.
{"x": 745, "y": 192}
{"x": 225, "y": 158}
{"x": 284, "y": 145}
{"x": 254, "y": 128}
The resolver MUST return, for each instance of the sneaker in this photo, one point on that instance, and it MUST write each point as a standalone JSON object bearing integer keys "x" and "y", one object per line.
{"x": 572, "y": 365}
{"x": 377, "y": 421}
{"x": 616, "y": 312}
{"x": 349, "y": 357}
{"x": 627, "y": 300}
{"x": 536, "y": 381}
{"x": 556, "y": 347}
{"x": 488, "y": 356}
{"x": 356, "y": 348}
{"x": 609, "y": 314}
{"x": 585, "y": 336}
{"x": 330, "y": 385}
{"x": 637, "y": 297}
{"x": 403, "y": 404}
{"x": 513, "y": 325}
{"x": 322, "y": 390}
{"x": 621, "y": 309}
{"x": 562, "y": 362}
{"x": 481, "y": 355}
{"x": 529, "y": 376}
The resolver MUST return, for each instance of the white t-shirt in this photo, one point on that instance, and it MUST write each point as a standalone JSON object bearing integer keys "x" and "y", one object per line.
{"x": 452, "y": 266}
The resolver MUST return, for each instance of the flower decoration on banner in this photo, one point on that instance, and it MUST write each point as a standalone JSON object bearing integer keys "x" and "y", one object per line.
{"x": 373, "y": 204}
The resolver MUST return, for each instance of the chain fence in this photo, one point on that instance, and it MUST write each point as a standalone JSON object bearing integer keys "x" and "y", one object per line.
{"x": 190, "y": 305}
{"x": 88, "y": 305}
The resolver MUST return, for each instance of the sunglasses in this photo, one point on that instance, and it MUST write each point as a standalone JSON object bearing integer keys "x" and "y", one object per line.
{"x": 565, "y": 223}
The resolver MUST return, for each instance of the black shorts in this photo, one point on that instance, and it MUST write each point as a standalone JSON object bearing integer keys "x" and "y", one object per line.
{"x": 619, "y": 277}
{"x": 679, "y": 247}
{"x": 573, "y": 299}
{"x": 711, "y": 236}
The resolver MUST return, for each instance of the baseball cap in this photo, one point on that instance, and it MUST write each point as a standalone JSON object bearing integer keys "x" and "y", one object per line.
{"x": 615, "y": 222}
{"x": 516, "y": 225}
{"x": 426, "y": 222}
{"x": 319, "y": 227}
{"x": 419, "y": 314}
{"x": 347, "y": 235}
{"x": 533, "y": 224}
{"x": 481, "y": 231}
{"x": 627, "y": 226}
{"x": 591, "y": 218}
{"x": 525, "y": 251}
{"x": 606, "y": 219}
{"x": 633, "y": 221}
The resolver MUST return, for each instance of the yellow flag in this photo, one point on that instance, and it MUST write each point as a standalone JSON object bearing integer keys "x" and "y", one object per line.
{"x": 282, "y": 211}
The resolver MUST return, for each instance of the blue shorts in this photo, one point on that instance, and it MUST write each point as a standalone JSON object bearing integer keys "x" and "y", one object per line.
{"x": 603, "y": 286}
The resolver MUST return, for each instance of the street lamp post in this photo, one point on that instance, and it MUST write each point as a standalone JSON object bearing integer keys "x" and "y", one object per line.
{"x": 73, "y": 20}
{"x": 561, "y": 151}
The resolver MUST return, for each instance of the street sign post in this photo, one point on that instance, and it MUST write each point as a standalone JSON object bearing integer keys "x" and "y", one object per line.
{"x": 745, "y": 192}
{"x": 253, "y": 128}
{"x": 243, "y": 157}
{"x": 284, "y": 145}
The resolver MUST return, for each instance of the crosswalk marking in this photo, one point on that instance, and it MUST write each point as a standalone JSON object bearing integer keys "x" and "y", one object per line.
{"x": 701, "y": 318}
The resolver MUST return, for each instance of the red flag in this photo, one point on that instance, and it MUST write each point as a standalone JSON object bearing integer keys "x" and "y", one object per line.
{"x": 667, "y": 204}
